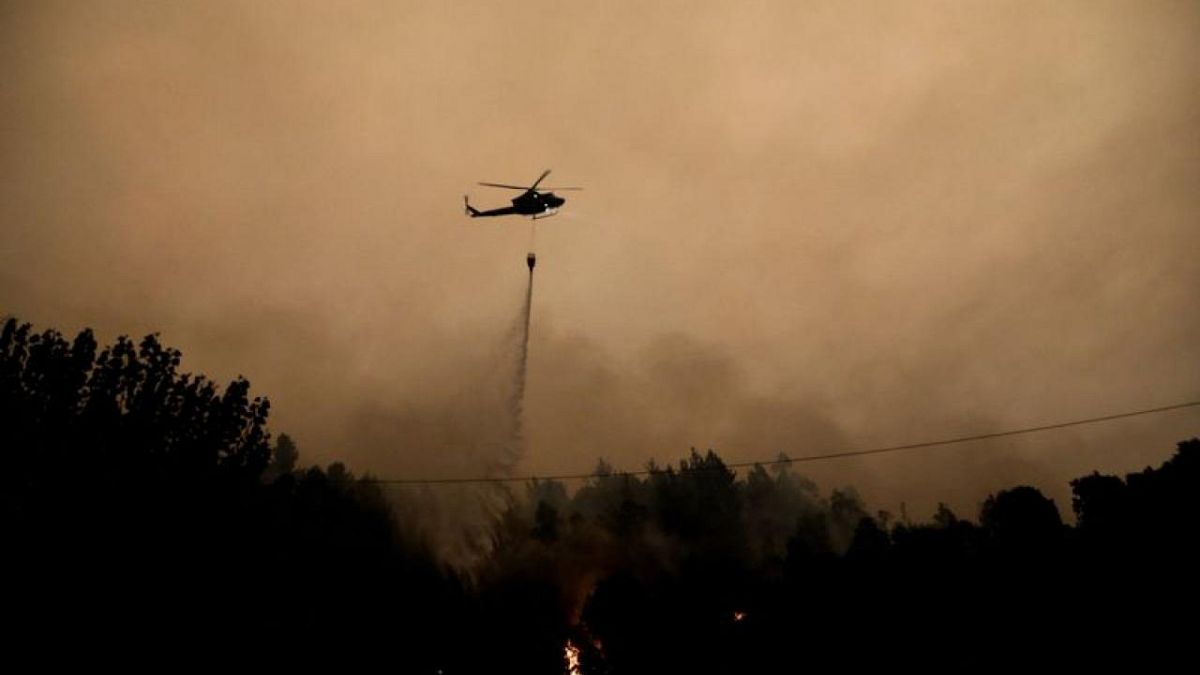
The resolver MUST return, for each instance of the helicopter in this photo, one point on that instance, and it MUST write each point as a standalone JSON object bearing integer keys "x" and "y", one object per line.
{"x": 531, "y": 202}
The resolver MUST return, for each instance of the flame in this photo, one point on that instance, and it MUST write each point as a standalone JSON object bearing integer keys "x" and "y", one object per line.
{"x": 571, "y": 653}
{"x": 738, "y": 616}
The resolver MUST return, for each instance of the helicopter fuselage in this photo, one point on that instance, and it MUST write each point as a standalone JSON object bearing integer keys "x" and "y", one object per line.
{"x": 529, "y": 203}
{"x": 533, "y": 203}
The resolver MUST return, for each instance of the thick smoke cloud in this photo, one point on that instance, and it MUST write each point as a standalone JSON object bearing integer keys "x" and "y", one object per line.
{"x": 807, "y": 225}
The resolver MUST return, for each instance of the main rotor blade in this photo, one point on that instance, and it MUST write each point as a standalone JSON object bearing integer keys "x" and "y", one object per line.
{"x": 548, "y": 189}
{"x": 501, "y": 185}
{"x": 540, "y": 179}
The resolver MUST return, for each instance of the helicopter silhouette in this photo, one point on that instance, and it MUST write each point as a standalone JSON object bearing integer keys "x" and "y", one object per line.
{"x": 531, "y": 202}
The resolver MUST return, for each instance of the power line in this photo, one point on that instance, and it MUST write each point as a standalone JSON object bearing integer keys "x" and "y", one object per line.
{"x": 806, "y": 458}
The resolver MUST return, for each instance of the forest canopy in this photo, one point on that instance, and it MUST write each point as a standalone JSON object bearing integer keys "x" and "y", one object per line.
{"x": 139, "y": 499}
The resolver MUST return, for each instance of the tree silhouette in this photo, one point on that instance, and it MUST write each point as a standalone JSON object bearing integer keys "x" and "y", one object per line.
{"x": 283, "y": 457}
{"x": 134, "y": 504}
{"x": 1022, "y": 520}
{"x": 144, "y": 505}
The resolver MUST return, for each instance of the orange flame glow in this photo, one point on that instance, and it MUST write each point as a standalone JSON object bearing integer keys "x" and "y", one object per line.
{"x": 571, "y": 653}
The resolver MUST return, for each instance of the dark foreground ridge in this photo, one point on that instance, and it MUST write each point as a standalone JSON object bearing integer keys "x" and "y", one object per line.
{"x": 148, "y": 510}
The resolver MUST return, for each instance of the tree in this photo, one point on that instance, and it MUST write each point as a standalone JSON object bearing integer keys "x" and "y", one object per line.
{"x": 132, "y": 500}
{"x": 944, "y": 517}
{"x": 284, "y": 456}
{"x": 1022, "y": 521}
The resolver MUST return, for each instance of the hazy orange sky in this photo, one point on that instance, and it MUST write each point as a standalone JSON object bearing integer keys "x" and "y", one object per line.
{"x": 808, "y": 226}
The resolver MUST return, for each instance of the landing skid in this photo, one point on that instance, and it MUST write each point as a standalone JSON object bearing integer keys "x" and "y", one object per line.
{"x": 546, "y": 214}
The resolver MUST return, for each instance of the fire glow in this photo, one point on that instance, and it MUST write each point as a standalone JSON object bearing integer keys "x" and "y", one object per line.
{"x": 571, "y": 653}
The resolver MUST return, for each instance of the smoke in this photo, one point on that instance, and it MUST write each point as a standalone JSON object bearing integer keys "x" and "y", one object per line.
{"x": 869, "y": 225}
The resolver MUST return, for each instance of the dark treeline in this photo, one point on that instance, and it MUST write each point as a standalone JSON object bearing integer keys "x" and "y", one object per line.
{"x": 146, "y": 507}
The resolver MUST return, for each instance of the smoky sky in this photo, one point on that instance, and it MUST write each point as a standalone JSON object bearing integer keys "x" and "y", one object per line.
{"x": 807, "y": 226}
